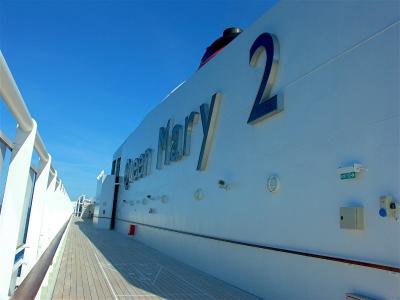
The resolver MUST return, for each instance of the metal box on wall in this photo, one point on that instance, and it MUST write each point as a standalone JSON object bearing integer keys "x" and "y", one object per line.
{"x": 352, "y": 218}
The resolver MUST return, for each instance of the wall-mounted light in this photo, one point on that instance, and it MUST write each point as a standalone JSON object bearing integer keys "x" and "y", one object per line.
{"x": 198, "y": 195}
{"x": 222, "y": 184}
{"x": 273, "y": 183}
{"x": 164, "y": 199}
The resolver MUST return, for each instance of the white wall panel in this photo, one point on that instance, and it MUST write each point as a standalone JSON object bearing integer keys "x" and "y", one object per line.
{"x": 340, "y": 82}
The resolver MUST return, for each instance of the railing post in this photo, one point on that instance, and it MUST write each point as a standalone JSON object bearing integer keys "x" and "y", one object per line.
{"x": 13, "y": 202}
{"x": 3, "y": 149}
{"x": 45, "y": 226}
{"x": 36, "y": 216}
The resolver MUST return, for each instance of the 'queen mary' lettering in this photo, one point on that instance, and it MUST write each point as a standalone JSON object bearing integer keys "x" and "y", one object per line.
{"x": 173, "y": 146}
{"x": 174, "y": 141}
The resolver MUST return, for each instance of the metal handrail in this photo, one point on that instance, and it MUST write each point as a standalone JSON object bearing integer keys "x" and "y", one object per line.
{"x": 31, "y": 284}
{"x": 378, "y": 266}
{"x": 52, "y": 170}
{"x": 11, "y": 96}
{"x": 20, "y": 248}
{"x": 17, "y": 264}
{"x": 5, "y": 140}
{"x": 13, "y": 99}
{"x": 20, "y": 261}
{"x": 41, "y": 149}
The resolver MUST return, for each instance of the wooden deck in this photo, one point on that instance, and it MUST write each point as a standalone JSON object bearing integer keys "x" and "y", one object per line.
{"x": 103, "y": 264}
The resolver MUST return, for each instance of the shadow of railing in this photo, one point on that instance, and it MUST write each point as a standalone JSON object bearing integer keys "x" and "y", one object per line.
{"x": 149, "y": 271}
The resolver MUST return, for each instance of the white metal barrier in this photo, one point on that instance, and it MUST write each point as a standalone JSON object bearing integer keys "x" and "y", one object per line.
{"x": 40, "y": 188}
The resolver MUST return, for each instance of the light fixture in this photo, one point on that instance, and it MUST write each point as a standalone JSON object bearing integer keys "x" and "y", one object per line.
{"x": 164, "y": 199}
{"x": 198, "y": 195}
{"x": 273, "y": 183}
{"x": 222, "y": 184}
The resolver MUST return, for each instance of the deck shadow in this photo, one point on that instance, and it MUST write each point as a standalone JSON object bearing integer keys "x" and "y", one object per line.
{"x": 136, "y": 270}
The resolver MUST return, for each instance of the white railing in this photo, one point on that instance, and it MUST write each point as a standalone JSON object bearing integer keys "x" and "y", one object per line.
{"x": 49, "y": 202}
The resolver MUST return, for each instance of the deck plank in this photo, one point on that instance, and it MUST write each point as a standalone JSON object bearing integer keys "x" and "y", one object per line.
{"x": 96, "y": 291}
{"x": 59, "y": 285}
{"x": 103, "y": 264}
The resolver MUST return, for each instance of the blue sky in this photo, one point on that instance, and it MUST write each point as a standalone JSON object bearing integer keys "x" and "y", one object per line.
{"x": 89, "y": 71}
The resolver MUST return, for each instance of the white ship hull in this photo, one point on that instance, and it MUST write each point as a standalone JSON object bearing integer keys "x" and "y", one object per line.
{"x": 337, "y": 73}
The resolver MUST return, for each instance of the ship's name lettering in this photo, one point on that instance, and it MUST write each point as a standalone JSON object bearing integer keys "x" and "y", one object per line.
{"x": 174, "y": 140}
{"x": 137, "y": 168}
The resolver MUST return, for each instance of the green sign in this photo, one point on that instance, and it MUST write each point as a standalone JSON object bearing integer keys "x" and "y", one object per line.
{"x": 348, "y": 175}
